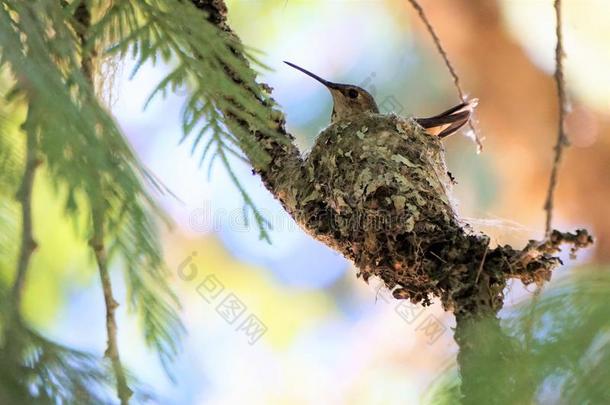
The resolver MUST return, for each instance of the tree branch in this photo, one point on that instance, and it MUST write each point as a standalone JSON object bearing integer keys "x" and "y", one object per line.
{"x": 562, "y": 139}
{"x": 112, "y": 349}
{"x": 441, "y": 50}
{"x": 24, "y": 195}
{"x": 374, "y": 188}
{"x": 82, "y": 18}
{"x": 285, "y": 158}
{"x": 429, "y": 254}
{"x": 561, "y": 142}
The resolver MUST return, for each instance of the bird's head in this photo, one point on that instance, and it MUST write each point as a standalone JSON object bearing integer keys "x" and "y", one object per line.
{"x": 348, "y": 100}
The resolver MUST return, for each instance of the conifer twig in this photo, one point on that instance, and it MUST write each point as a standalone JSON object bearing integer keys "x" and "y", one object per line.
{"x": 441, "y": 50}
{"x": 558, "y": 148}
{"x": 562, "y": 139}
{"x": 112, "y": 349}
{"x": 82, "y": 17}
{"x": 24, "y": 195}
{"x": 285, "y": 156}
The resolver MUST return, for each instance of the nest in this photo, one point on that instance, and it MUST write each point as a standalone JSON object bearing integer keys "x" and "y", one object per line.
{"x": 377, "y": 189}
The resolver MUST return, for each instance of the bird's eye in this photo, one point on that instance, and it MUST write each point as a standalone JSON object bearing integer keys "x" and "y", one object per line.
{"x": 352, "y": 93}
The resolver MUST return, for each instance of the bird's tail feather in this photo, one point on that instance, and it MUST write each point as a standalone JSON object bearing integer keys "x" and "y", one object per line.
{"x": 448, "y": 122}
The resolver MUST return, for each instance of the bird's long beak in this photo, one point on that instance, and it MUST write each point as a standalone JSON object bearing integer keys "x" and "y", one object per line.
{"x": 328, "y": 84}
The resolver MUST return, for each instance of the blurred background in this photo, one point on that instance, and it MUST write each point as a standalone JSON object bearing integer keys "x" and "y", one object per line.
{"x": 308, "y": 331}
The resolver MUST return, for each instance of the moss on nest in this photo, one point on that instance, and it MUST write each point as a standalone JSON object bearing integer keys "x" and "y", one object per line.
{"x": 385, "y": 185}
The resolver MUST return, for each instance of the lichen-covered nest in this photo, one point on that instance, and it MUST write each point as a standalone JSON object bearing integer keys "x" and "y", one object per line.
{"x": 376, "y": 188}
{"x": 385, "y": 184}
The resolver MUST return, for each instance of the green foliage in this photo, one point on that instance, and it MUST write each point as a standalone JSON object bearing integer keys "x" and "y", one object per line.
{"x": 37, "y": 370}
{"x": 221, "y": 83}
{"x": 34, "y": 369}
{"x": 11, "y": 157}
{"x": 93, "y": 168}
{"x": 563, "y": 343}
{"x": 10, "y": 154}
{"x": 86, "y": 155}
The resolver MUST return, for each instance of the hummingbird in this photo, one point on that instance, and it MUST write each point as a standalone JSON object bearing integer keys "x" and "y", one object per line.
{"x": 350, "y": 100}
